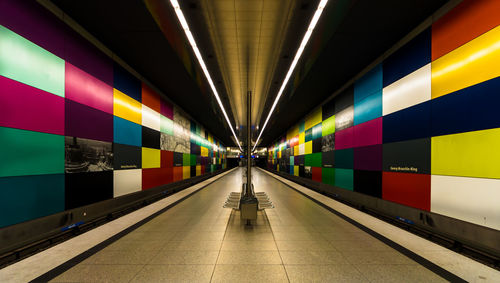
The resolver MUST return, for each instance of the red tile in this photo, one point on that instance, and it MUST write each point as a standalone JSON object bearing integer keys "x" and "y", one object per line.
{"x": 408, "y": 189}
{"x": 316, "y": 174}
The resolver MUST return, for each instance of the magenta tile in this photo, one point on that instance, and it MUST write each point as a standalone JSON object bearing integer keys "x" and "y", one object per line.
{"x": 167, "y": 109}
{"x": 368, "y": 158}
{"x": 368, "y": 133}
{"x": 344, "y": 138}
{"x": 28, "y": 108}
{"x": 86, "y": 122}
{"x": 86, "y": 89}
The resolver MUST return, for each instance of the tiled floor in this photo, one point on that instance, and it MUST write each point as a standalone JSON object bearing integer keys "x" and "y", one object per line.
{"x": 199, "y": 241}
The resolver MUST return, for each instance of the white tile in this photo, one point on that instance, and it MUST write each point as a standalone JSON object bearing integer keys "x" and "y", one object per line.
{"x": 126, "y": 181}
{"x": 475, "y": 200}
{"x": 150, "y": 118}
{"x": 410, "y": 90}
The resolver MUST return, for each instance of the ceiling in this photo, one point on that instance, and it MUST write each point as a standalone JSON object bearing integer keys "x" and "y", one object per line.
{"x": 248, "y": 45}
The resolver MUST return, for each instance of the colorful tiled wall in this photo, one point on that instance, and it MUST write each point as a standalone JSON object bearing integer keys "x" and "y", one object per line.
{"x": 420, "y": 129}
{"x": 76, "y": 129}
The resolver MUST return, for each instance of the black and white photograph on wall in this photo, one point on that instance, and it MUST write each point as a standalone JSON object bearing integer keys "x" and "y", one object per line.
{"x": 167, "y": 142}
{"x": 328, "y": 143}
{"x": 182, "y": 133}
{"x": 84, "y": 155}
{"x": 308, "y": 172}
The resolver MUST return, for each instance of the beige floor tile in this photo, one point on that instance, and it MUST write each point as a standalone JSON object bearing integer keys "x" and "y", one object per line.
{"x": 258, "y": 245}
{"x": 122, "y": 245}
{"x": 99, "y": 273}
{"x": 149, "y": 236}
{"x": 249, "y": 257}
{"x": 354, "y": 245}
{"x": 185, "y": 257}
{"x": 189, "y": 245}
{"x": 297, "y": 236}
{"x": 319, "y": 245}
{"x": 312, "y": 257}
{"x": 376, "y": 257}
{"x": 324, "y": 273}
{"x": 120, "y": 257}
{"x": 195, "y": 236}
{"x": 241, "y": 236}
{"x": 398, "y": 273}
{"x": 175, "y": 273}
{"x": 249, "y": 273}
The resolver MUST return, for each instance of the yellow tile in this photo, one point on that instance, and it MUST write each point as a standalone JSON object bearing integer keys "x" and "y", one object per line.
{"x": 471, "y": 154}
{"x": 470, "y": 64}
{"x": 151, "y": 158}
{"x": 204, "y": 151}
{"x": 302, "y": 137}
{"x": 186, "y": 172}
{"x": 296, "y": 170}
{"x": 296, "y": 150}
{"x": 198, "y": 170}
{"x": 126, "y": 107}
{"x": 309, "y": 147}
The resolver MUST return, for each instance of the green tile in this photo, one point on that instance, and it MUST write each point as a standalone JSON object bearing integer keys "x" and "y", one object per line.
{"x": 328, "y": 175}
{"x": 26, "y": 62}
{"x": 193, "y": 160}
{"x": 30, "y": 153}
{"x": 292, "y": 160}
{"x": 329, "y": 126}
{"x": 316, "y": 159}
{"x": 186, "y": 159}
{"x": 24, "y": 198}
{"x": 166, "y": 125}
{"x": 344, "y": 178}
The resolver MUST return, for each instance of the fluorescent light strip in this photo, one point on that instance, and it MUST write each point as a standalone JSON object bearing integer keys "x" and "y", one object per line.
{"x": 189, "y": 35}
{"x": 302, "y": 46}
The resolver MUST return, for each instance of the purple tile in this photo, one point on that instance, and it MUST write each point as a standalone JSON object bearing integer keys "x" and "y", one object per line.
{"x": 86, "y": 89}
{"x": 368, "y": 133}
{"x": 35, "y": 23}
{"x": 368, "y": 158}
{"x": 28, "y": 108}
{"x": 86, "y": 122}
{"x": 84, "y": 55}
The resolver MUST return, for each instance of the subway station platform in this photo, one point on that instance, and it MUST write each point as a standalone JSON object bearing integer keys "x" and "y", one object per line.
{"x": 197, "y": 240}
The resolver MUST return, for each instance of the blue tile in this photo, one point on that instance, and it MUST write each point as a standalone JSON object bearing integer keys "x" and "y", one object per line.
{"x": 408, "y": 124}
{"x": 368, "y": 108}
{"x": 470, "y": 109}
{"x": 368, "y": 84}
{"x": 126, "y": 132}
{"x": 412, "y": 56}
{"x": 25, "y": 198}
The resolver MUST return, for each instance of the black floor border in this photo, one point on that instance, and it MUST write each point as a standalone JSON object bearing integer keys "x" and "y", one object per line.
{"x": 60, "y": 269}
{"x": 445, "y": 274}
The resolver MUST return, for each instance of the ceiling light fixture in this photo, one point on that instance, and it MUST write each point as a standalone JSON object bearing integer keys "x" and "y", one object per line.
{"x": 189, "y": 35}
{"x": 302, "y": 46}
